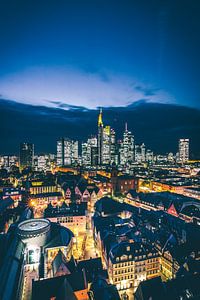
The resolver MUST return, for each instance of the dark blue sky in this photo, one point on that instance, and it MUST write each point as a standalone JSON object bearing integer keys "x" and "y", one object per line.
{"x": 95, "y": 53}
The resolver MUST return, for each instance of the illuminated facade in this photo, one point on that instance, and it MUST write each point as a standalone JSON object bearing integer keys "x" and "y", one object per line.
{"x": 106, "y": 146}
{"x": 41, "y": 187}
{"x": 7, "y": 161}
{"x": 100, "y": 138}
{"x": 127, "y": 148}
{"x": 169, "y": 266}
{"x": 43, "y": 162}
{"x": 76, "y": 223}
{"x": 131, "y": 263}
{"x": 67, "y": 152}
{"x": 113, "y": 148}
{"x": 149, "y": 156}
{"x": 106, "y": 143}
{"x": 89, "y": 152}
{"x": 140, "y": 153}
{"x": 183, "y": 150}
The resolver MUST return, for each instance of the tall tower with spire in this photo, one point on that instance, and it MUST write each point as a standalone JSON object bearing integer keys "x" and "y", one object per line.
{"x": 127, "y": 147}
{"x": 100, "y": 120}
{"x": 100, "y": 137}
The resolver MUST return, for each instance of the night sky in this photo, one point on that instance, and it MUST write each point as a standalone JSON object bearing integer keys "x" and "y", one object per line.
{"x": 100, "y": 53}
{"x": 60, "y": 54}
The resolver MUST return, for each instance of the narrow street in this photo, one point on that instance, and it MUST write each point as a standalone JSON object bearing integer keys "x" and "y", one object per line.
{"x": 90, "y": 250}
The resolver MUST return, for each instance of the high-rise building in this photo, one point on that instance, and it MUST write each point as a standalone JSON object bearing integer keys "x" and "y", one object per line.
{"x": 7, "y": 161}
{"x": 43, "y": 162}
{"x": 113, "y": 148}
{"x": 106, "y": 146}
{"x": 127, "y": 148}
{"x": 100, "y": 138}
{"x": 183, "y": 150}
{"x": 149, "y": 155}
{"x": 89, "y": 152}
{"x": 106, "y": 143}
{"x": 94, "y": 156}
{"x": 143, "y": 152}
{"x": 67, "y": 152}
{"x": 26, "y": 154}
{"x": 140, "y": 153}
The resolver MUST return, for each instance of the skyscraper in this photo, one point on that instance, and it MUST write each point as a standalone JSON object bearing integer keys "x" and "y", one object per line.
{"x": 183, "y": 150}
{"x": 100, "y": 138}
{"x": 113, "y": 148}
{"x": 89, "y": 152}
{"x": 127, "y": 147}
{"x": 106, "y": 145}
{"x": 26, "y": 155}
{"x": 67, "y": 152}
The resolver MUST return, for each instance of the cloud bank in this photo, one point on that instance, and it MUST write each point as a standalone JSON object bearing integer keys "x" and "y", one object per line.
{"x": 60, "y": 87}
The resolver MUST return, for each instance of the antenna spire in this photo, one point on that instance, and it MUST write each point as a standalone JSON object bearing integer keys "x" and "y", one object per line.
{"x": 100, "y": 121}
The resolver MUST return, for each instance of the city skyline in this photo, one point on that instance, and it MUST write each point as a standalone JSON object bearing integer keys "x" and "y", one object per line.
{"x": 103, "y": 149}
{"x": 84, "y": 124}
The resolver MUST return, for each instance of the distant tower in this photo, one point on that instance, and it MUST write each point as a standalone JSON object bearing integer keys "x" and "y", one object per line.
{"x": 26, "y": 155}
{"x": 183, "y": 150}
{"x": 100, "y": 119}
{"x": 127, "y": 147}
{"x": 100, "y": 137}
{"x": 126, "y": 127}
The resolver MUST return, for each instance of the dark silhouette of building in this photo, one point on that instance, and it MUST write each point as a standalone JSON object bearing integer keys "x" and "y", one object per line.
{"x": 26, "y": 155}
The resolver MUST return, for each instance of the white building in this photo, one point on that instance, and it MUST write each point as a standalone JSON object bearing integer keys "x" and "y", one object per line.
{"x": 183, "y": 150}
{"x": 67, "y": 152}
{"x": 87, "y": 159}
{"x": 127, "y": 148}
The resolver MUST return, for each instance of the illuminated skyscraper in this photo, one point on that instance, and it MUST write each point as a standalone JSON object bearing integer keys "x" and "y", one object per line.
{"x": 106, "y": 145}
{"x": 140, "y": 153}
{"x": 149, "y": 155}
{"x": 127, "y": 148}
{"x": 26, "y": 155}
{"x": 183, "y": 150}
{"x": 67, "y": 152}
{"x": 100, "y": 138}
{"x": 89, "y": 152}
{"x": 113, "y": 148}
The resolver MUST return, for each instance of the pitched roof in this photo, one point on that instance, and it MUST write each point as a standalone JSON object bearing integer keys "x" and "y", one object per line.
{"x": 61, "y": 259}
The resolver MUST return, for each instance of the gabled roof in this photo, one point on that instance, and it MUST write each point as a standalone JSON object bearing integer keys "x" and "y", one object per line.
{"x": 61, "y": 259}
{"x": 58, "y": 287}
{"x": 107, "y": 205}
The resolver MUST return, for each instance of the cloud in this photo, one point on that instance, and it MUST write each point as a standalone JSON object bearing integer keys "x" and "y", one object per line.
{"x": 148, "y": 91}
{"x": 66, "y": 87}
